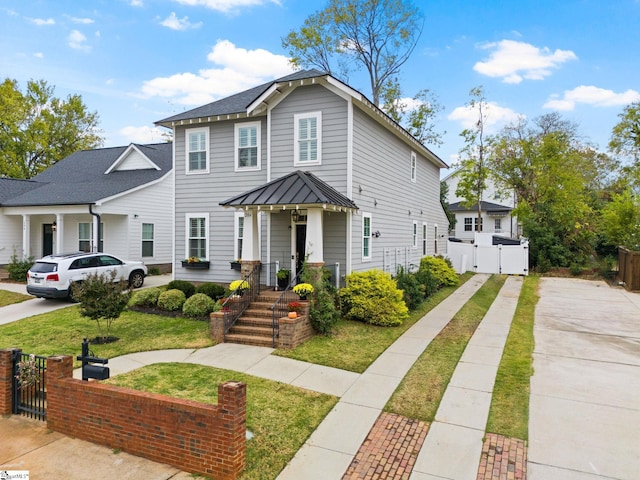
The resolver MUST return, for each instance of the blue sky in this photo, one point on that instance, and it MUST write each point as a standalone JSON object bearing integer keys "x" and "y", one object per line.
{"x": 138, "y": 61}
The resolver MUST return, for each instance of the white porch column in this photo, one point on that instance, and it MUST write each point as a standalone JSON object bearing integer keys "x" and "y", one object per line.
{"x": 59, "y": 232}
{"x": 26, "y": 236}
{"x": 315, "y": 246}
{"x": 95, "y": 236}
{"x": 251, "y": 245}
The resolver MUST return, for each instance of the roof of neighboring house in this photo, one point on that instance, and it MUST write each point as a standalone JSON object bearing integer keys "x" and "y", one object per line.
{"x": 80, "y": 178}
{"x": 485, "y": 207}
{"x": 297, "y": 188}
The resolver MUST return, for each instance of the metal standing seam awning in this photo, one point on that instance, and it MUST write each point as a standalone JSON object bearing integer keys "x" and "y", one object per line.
{"x": 293, "y": 191}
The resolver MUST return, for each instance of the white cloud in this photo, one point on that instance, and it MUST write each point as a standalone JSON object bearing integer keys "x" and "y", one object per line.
{"x": 226, "y": 5}
{"x": 41, "y": 21}
{"x": 495, "y": 116}
{"x": 77, "y": 41}
{"x": 136, "y": 3}
{"x": 143, "y": 134}
{"x": 514, "y": 61}
{"x": 175, "y": 23}
{"x": 239, "y": 69}
{"x": 38, "y": 55}
{"x": 82, "y": 21}
{"x": 590, "y": 95}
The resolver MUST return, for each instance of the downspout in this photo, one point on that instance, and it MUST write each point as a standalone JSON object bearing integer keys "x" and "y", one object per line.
{"x": 99, "y": 232}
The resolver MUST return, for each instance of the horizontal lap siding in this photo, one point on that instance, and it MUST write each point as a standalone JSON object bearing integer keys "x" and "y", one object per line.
{"x": 10, "y": 238}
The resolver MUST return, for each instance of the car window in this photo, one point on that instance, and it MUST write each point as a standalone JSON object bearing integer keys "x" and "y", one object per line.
{"x": 107, "y": 261}
{"x": 44, "y": 267}
{"x": 86, "y": 262}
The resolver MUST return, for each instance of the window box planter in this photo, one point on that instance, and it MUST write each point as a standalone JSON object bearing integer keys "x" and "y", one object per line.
{"x": 204, "y": 265}
{"x": 235, "y": 265}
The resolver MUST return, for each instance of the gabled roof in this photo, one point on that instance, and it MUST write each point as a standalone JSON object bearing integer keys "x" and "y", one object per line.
{"x": 485, "y": 207}
{"x": 80, "y": 178}
{"x": 295, "y": 189}
{"x": 12, "y": 187}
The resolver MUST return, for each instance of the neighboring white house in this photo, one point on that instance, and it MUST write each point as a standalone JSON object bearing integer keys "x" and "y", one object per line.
{"x": 496, "y": 210}
{"x": 122, "y": 196}
{"x": 303, "y": 167}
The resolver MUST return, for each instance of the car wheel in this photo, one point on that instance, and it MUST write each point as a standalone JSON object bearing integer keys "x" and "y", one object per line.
{"x": 136, "y": 279}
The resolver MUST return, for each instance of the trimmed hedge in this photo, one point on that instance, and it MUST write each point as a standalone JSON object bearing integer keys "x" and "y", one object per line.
{"x": 172, "y": 300}
{"x": 441, "y": 270}
{"x": 147, "y": 297}
{"x": 199, "y": 305}
{"x": 214, "y": 291}
{"x": 184, "y": 286}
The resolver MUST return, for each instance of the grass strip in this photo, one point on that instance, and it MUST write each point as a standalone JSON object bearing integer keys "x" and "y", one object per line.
{"x": 421, "y": 390}
{"x": 8, "y": 297}
{"x": 354, "y": 345}
{"x": 280, "y": 416}
{"x": 509, "y": 413}
{"x": 61, "y": 332}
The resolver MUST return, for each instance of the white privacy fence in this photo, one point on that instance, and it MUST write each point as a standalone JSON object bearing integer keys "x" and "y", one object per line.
{"x": 484, "y": 257}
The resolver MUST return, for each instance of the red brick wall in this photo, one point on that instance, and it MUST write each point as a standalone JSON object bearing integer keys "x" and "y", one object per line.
{"x": 195, "y": 437}
{"x": 295, "y": 331}
{"x": 6, "y": 381}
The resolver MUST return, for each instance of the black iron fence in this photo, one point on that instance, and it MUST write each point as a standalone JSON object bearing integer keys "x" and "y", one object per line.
{"x": 240, "y": 298}
{"x": 29, "y": 385}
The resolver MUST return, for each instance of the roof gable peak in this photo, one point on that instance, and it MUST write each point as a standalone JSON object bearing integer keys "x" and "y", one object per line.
{"x": 132, "y": 159}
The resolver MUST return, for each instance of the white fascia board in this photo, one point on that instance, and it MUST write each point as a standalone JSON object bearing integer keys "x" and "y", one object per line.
{"x": 102, "y": 201}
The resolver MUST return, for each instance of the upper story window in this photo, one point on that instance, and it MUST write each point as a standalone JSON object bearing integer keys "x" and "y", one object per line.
{"x": 308, "y": 138}
{"x": 366, "y": 236}
{"x": 247, "y": 146}
{"x": 414, "y": 167}
{"x": 197, "y": 150}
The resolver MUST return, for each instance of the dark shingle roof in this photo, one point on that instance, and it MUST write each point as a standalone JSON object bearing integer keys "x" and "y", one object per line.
{"x": 11, "y": 187}
{"x": 297, "y": 188}
{"x": 239, "y": 102}
{"x": 80, "y": 178}
{"x": 485, "y": 206}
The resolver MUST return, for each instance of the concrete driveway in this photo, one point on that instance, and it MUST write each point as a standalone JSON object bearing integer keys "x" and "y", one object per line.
{"x": 584, "y": 418}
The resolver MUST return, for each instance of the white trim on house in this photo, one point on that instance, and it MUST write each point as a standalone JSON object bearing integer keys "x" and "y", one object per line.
{"x": 207, "y": 236}
{"x": 297, "y": 141}
{"x": 414, "y": 234}
{"x": 425, "y": 238}
{"x": 413, "y": 165}
{"x": 102, "y": 201}
{"x": 366, "y": 237}
{"x": 122, "y": 158}
{"x": 238, "y": 215}
{"x": 257, "y": 146}
{"x": 187, "y": 163}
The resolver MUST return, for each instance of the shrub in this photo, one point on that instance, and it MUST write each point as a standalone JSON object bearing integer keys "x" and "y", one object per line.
{"x": 543, "y": 265}
{"x": 18, "y": 268}
{"x": 215, "y": 291}
{"x": 428, "y": 282}
{"x": 412, "y": 291}
{"x": 147, "y": 297}
{"x": 441, "y": 270}
{"x": 185, "y": 287}
{"x": 323, "y": 313}
{"x": 575, "y": 269}
{"x": 373, "y": 297}
{"x": 172, "y": 300}
{"x": 198, "y": 305}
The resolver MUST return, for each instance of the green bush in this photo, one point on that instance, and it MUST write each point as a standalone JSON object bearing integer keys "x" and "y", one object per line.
{"x": 428, "y": 282}
{"x": 543, "y": 265}
{"x": 199, "y": 305}
{"x": 18, "y": 268}
{"x": 172, "y": 300}
{"x": 412, "y": 291}
{"x": 185, "y": 287}
{"x": 575, "y": 269}
{"x": 441, "y": 270}
{"x": 147, "y": 297}
{"x": 214, "y": 291}
{"x": 373, "y": 297}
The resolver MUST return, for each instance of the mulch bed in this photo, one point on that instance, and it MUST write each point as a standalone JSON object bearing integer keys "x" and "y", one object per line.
{"x": 165, "y": 313}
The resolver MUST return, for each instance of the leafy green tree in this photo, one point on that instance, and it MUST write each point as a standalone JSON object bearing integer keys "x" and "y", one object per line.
{"x": 379, "y": 35}
{"x": 38, "y": 129}
{"x": 620, "y": 220}
{"x": 625, "y": 141}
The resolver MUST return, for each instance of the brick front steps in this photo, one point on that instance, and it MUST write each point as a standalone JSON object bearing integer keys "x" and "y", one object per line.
{"x": 255, "y": 326}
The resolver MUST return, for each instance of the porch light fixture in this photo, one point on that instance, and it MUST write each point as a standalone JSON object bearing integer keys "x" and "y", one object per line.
{"x": 376, "y": 234}
{"x": 294, "y": 216}
{"x": 54, "y": 226}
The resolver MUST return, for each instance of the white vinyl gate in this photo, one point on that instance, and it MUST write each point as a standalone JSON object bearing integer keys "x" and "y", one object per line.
{"x": 483, "y": 257}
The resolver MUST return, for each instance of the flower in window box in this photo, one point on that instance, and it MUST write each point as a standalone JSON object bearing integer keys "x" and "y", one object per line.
{"x": 240, "y": 285}
{"x": 193, "y": 260}
{"x": 303, "y": 289}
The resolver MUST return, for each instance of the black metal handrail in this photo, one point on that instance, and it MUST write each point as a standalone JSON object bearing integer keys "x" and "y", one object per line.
{"x": 280, "y": 307}
{"x": 240, "y": 298}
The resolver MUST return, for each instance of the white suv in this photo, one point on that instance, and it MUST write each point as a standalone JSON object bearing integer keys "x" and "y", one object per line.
{"x": 54, "y": 275}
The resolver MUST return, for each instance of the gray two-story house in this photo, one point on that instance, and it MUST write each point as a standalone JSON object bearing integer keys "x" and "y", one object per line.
{"x": 303, "y": 167}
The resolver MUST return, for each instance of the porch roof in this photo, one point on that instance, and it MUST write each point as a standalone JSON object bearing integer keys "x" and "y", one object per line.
{"x": 293, "y": 190}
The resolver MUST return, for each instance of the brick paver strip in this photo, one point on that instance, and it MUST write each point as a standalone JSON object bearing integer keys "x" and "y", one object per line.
{"x": 390, "y": 450}
{"x": 503, "y": 458}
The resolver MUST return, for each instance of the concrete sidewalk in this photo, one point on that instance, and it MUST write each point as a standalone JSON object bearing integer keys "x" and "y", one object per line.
{"x": 584, "y": 420}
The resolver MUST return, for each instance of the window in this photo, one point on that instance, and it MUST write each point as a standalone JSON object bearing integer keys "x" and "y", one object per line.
{"x": 475, "y": 223}
{"x": 366, "y": 236}
{"x": 468, "y": 224}
{"x": 147, "y": 239}
{"x": 247, "y": 142}
{"x": 414, "y": 235}
{"x": 197, "y": 148}
{"x": 197, "y": 235}
{"x": 414, "y": 167}
{"x": 239, "y": 235}
{"x": 497, "y": 225}
{"x": 424, "y": 239}
{"x": 85, "y": 236}
{"x": 308, "y": 138}
{"x": 435, "y": 239}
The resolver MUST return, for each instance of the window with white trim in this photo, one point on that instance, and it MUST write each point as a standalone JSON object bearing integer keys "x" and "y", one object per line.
{"x": 85, "y": 237}
{"x": 239, "y": 236}
{"x": 307, "y": 131}
{"x": 197, "y": 235}
{"x": 247, "y": 146}
{"x": 414, "y": 235}
{"x": 497, "y": 225}
{"x": 197, "y": 150}
{"x": 366, "y": 236}
{"x": 435, "y": 239}
{"x": 414, "y": 167}
{"x": 147, "y": 239}
{"x": 424, "y": 239}
{"x": 468, "y": 224}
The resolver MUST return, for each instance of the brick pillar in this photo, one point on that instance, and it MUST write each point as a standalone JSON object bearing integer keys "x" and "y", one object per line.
{"x": 59, "y": 369}
{"x": 232, "y": 401}
{"x": 315, "y": 271}
{"x": 216, "y": 326}
{"x": 246, "y": 267}
{"x": 6, "y": 380}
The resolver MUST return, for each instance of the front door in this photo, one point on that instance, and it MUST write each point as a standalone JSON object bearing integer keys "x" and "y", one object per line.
{"x": 301, "y": 241}
{"x": 47, "y": 239}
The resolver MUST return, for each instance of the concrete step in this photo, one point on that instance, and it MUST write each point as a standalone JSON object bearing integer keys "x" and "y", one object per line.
{"x": 255, "y": 321}
{"x": 249, "y": 340}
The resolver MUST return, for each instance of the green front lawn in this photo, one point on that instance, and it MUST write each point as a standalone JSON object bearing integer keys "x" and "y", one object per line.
{"x": 8, "y": 298}
{"x": 280, "y": 417}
